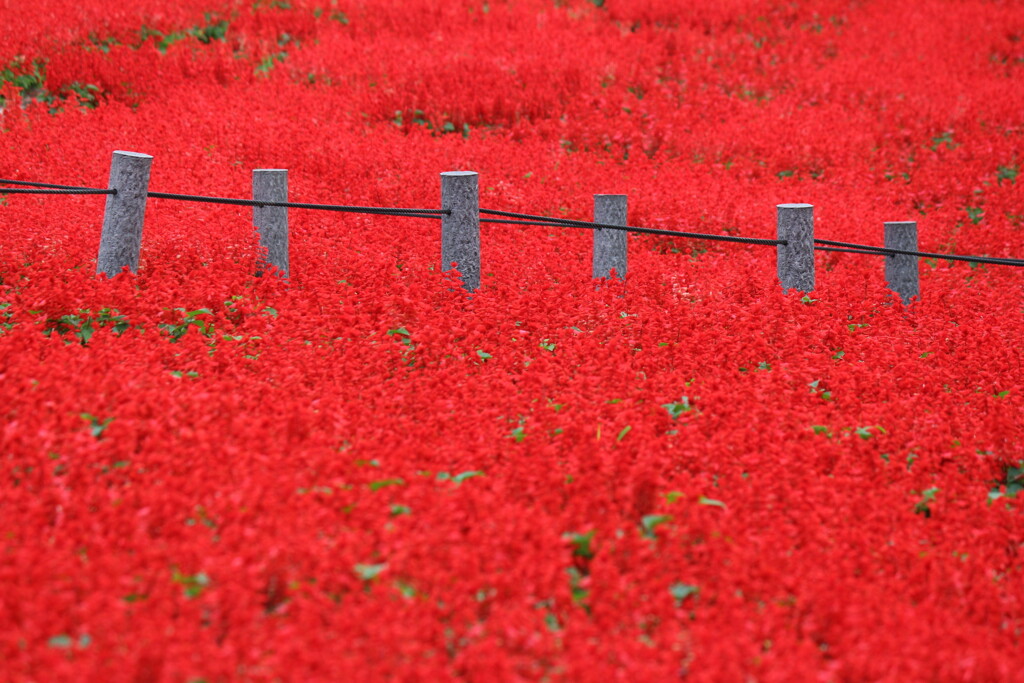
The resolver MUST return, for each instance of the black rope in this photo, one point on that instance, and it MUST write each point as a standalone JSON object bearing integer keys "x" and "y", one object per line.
{"x": 530, "y": 219}
{"x": 850, "y": 245}
{"x": 26, "y": 190}
{"x": 517, "y": 222}
{"x": 883, "y": 251}
{"x": 849, "y": 251}
{"x": 50, "y": 185}
{"x": 375, "y": 210}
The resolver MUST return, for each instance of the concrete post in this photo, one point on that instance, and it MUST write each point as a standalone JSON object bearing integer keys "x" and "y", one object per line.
{"x": 460, "y": 230}
{"x": 796, "y": 258}
{"x": 271, "y": 222}
{"x": 121, "y": 238}
{"x": 901, "y": 272}
{"x": 610, "y": 245}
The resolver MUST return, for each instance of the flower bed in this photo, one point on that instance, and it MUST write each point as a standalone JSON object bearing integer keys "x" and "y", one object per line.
{"x": 364, "y": 474}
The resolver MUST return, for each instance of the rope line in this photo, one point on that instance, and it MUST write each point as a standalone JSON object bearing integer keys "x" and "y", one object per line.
{"x": 74, "y": 190}
{"x": 529, "y": 219}
{"x": 508, "y": 218}
{"x": 884, "y": 251}
{"x": 375, "y": 210}
{"x": 849, "y": 251}
{"x": 50, "y": 185}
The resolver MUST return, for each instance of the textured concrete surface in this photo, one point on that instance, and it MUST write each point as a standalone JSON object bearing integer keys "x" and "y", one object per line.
{"x": 125, "y": 211}
{"x": 271, "y": 222}
{"x": 796, "y": 259}
{"x": 610, "y": 246}
{"x": 460, "y": 231}
{"x": 901, "y": 273}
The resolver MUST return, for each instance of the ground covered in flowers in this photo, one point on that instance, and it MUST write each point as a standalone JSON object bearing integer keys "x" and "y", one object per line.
{"x": 364, "y": 474}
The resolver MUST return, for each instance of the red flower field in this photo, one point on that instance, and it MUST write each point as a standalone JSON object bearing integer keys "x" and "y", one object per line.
{"x": 363, "y": 473}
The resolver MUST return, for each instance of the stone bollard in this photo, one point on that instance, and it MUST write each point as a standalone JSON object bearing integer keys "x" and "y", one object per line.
{"x": 125, "y": 211}
{"x": 610, "y": 246}
{"x": 460, "y": 230}
{"x": 271, "y": 222}
{"x": 901, "y": 273}
{"x": 796, "y": 258}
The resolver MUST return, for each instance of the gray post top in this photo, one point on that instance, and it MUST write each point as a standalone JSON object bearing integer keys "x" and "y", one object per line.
{"x": 459, "y": 173}
{"x": 137, "y": 155}
{"x": 902, "y": 224}
{"x": 270, "y": 170}
{"x": 794, "y": 206}
{"x": 610, "y": 195}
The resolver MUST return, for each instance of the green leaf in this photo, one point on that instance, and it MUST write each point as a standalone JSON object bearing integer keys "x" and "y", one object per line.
{"x": 85, "y": 332}
{"x": 1012, "y": 484}
{"x": 946, "y": 139}
{"x": 673, "y": 496}
{"x": 384, "y": 483}
{"x": 406, "y": 589}
{"x": 463, "y": 476}
{"x": 96, "y": 426}
{"x": 578, "y": 592}
{"x": 678, "y": 408}
{"x": 927, "y": 497}
{"x": 483, "y": 354}
{"x": 368, "y": 572}
{"x": 651, "y": 522}
{"x": 681, "y": 591}
{"x": 194, "y": 584}
{"x": 622, "y": 434}
{"x": 459, "y": 478}
{"x": 398, "y": 510}
{"x": 177, "y": 330}
{"x": 865, "y": 432}
{"x": 582, "y": 544}
{"x": 1008, "y": 173}
{"x": 710, "y": 501}
{"x": 61, "y": 642}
